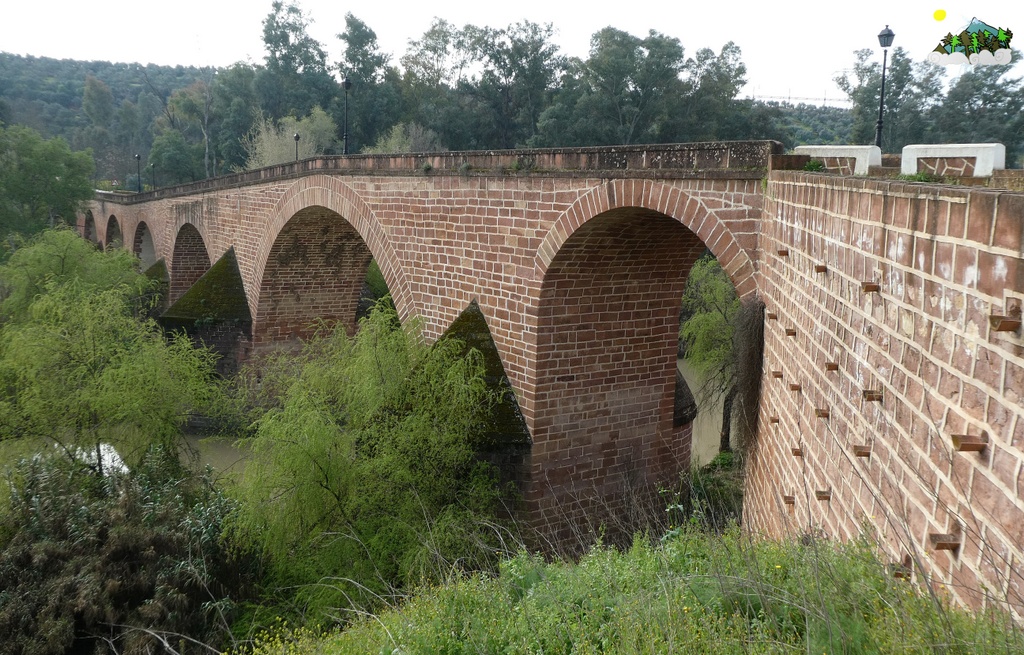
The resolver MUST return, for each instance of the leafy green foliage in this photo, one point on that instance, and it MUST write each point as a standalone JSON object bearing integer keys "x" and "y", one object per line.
{"x": 60, "y": 257}
{"x": 79, "y": 366}
{"x": 269, "y": 143}
{"x": 710, "y": 304}
{"x": 42, "y": 182}
{"x": 691, "y": 594}
{"x": 814, "y": 165}
{"x": 125, "y": 560}
{"x": 405, "y": 138}
{"x": 364, "y": 477}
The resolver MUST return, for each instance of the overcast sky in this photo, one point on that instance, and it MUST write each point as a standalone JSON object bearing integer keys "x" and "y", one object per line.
{"x": 791, "y": 49}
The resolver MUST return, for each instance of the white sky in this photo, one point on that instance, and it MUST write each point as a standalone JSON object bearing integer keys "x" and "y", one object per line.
{"x": 791, "y": 49}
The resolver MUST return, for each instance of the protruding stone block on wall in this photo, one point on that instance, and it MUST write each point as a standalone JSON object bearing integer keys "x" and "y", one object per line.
{"x": 794, "y": 387}
{"x": 777, "y": 375}
{"x": 797, "y": 451}
{"x": 771, "y": 316}
{"x": 783, "y": 252}
{"x": 970, "y": 443}
{"x": 789, "y": 500}
{"x": 822, "y": 412}
{"x": 823, "y": 494}
{"x": 1002, "y": 323}
{"x": 870, "y": 287}
{"x": 944, "y": 541}
{"x": 790, "y": 332}
{"x": 987, "y": 158}
{"x": 821, "y": 268}
{"x": 773, "y": 420}
{"x": 862, "y": 451}
{"x": 872, "y": 395}
{"x": 902, "y": 570}
{"x": 833, "y": 157}
{"x": 831, "y": 366}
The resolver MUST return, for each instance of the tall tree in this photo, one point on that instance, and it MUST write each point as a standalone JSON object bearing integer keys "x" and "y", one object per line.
{"x": 374, "y": 99}
{"x": 911, "y": 91}
{"x": 622, "y": 93}
{"x": 296, "y": 77}
{"x": 708, "y": 108}
{"x": 520, "y": 66}
{"x": 985, "y": 105}
{"x": 41, "y": 181}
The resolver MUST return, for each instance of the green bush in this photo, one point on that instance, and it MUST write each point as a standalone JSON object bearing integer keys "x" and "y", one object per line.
{"x": 364, "y": 477}
{"x": 692, "y": 594}
{"x": 114, "y": 563}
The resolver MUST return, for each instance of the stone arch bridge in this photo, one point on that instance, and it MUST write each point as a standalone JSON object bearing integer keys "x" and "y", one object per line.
{"x": 882, "y": 353}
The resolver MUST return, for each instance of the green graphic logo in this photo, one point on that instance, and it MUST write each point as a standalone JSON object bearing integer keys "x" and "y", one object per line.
{"x": 979, "y": 44}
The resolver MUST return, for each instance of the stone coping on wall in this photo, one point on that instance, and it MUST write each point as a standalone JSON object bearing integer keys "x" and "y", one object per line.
{"x": 987, "y": 156}
{"x": 705, "y": 160}
{"x": 865, "y": 156}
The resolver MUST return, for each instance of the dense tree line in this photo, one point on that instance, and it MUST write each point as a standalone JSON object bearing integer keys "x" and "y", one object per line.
{"x": 470, "y": 87}
{"x": 455, "y": 88}
{"x": 983, "y": 105}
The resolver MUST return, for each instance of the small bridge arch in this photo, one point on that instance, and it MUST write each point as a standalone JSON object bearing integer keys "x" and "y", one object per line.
{"x": 189, "y": 261}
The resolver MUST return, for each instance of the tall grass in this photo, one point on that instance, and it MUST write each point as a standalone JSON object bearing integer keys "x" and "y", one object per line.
{"x": 701, "y": 588}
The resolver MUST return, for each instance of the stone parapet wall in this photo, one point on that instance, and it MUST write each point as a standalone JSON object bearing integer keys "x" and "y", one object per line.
{"x": 883, "y": 365}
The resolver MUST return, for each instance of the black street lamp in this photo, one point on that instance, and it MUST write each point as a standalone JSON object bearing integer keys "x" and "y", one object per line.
{"x": 884, "y": 40}
{"x": 296, "y": 146}
{"x": 138, "y": 173}
{"x": 346, "y": 84}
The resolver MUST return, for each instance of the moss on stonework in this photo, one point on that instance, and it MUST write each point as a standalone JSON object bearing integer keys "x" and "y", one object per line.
{"x": 218, "y": 296}
{"x": 158, "y": 272}
{"x": 506, "y": 424}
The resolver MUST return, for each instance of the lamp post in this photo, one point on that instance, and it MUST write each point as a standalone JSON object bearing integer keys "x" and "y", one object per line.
{"x": 346, "y": 84}
{"x": 884, "y": 40}
{"x": 138, "y": 173}
{"x": 152, "y": 174}
{"x": 296, "y": 146}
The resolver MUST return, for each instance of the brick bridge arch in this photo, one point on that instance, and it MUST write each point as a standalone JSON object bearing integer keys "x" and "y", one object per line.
{"x": 113, "y": 237}
{"x": 325, "y": 208}
{"x": 695, "y": 213}
{"x": 613, "y": 268}
{"x": 189, "y": 261}
{"x": 144, "y": 246}
{"x": 89, "y": 228}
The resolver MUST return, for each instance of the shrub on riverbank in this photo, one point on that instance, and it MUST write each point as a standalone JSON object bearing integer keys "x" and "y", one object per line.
{"x": 694, "y": 593}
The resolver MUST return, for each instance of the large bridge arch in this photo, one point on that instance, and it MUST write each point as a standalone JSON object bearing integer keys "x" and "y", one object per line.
{"x": 189, "y": 261}
{"x": 694, "y": 212}
{"x": 612, "y": 272}
{"x": 143, "y": 245}
{"x": 319, "y": 240}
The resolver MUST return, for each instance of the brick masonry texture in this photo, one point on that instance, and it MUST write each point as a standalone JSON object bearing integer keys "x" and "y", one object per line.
{"x": 943, "y": 259}
{"x": 579, "y": 277}
{"x": 886, "y": 287}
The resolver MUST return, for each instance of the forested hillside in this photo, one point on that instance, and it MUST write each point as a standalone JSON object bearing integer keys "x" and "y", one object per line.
{"x": 467, "y": 88}
{"x": 454, "y": 88}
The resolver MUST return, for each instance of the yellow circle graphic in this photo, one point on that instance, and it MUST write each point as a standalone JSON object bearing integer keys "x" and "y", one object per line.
{"x": 940, "y": 14}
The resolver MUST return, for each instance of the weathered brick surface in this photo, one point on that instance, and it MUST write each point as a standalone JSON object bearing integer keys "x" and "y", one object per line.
{"x": 943, "y": 259}
{"x": 579, "y": 277}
